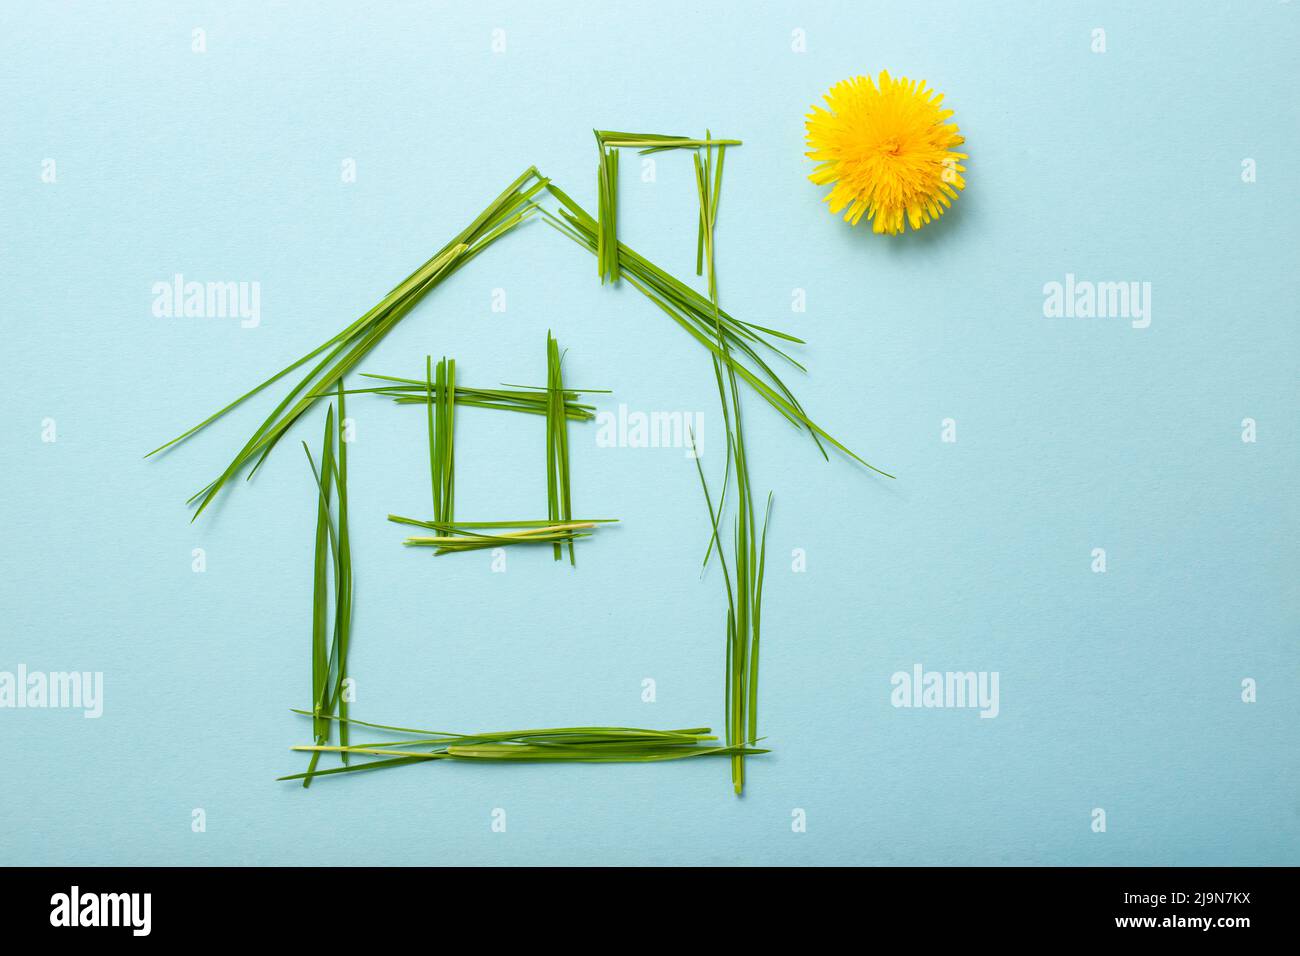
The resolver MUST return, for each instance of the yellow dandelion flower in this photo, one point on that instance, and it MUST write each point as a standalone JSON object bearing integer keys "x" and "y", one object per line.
{"x": 888, "y": 150}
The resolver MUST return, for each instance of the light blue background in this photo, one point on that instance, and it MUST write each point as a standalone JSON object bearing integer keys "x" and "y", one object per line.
{"x": 1119, "y": 691}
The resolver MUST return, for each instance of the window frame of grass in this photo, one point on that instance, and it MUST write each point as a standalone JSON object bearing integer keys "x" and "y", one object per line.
{"x": 558, "y": 404}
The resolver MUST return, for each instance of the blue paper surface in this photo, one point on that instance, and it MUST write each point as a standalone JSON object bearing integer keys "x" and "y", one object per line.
{"x": 1119, "y": 691}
